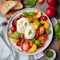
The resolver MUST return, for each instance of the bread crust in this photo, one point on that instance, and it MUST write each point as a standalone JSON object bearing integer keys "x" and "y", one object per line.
{"x": 6, "y": 6}
{"x": 18, "y": 6}
{"x": 10, "y": 13}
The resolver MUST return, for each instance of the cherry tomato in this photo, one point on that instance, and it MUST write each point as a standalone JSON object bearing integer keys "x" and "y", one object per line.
{"x": 37, "y": 35}
{"x": 43, "y": 41}
{"x": 41, "y": 30}
{"x": 19, "y": 44}
{"x": 21, "y": 16}
{"x": 13, "y": 29}
{"x": 40, "y": 1}
{"x": 51, "y": 2}
{"x": 44, "y": 18}
{"x": 25, "y": 40}
{"x": 51, "y": 11}
{"x": 25, "y": 46}
{"x": 44, "y": 38}
{"x": 14, "y": 22}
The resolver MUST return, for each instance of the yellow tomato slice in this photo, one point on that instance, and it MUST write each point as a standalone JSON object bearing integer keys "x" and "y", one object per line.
{"x": 46, "y": 24}
{"x": 33, "y": 48}
{"x": 30, "y": 43}
{"x": 15, "y": 40}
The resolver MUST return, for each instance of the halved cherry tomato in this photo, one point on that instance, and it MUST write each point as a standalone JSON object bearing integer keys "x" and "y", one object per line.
{"x": 41, "y": 30}
{"x": 19, "y": 44}
{"x": 13, "y": 29}
{"x": 14, "y": 22}
{"x": 21, "y": 16}
{"x": 44, "y": 18}
{"x": 43, "y": 38}
{"x": 46, "y": 36}
{"x": 37, "y": 35}
{"x": 25, "y": 46}
{"x": 25, "y": 40}
{"x": 43, "y": 41}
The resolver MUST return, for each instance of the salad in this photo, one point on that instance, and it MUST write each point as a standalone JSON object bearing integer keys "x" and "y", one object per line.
{"x": 30, "y": 31}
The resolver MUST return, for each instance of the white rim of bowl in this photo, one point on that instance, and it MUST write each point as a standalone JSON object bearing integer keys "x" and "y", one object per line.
{"x": 8, "y": 29}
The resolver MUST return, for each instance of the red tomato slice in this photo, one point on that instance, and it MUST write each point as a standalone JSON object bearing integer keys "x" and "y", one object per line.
{"x": 37, "y": 35}
{"x": 14, "y": 22}
{"x": 21, "y": 45}
{"x": 18, "y": 43}
{"x": 45, "y": 37}
{"x": 44, "y": 18}
{"x": 43, "y": 41}
{"x": 25, "y": 40}
{"x": 41, "y": 30}
{"x": 25, "y": 46}
{"x": 21, "y": 16}
{"x": 13, "y": 29}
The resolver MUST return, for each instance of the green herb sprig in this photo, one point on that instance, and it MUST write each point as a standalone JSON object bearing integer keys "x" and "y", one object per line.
{"x": 57, "y": 31}
{"x": 30, "y": 3}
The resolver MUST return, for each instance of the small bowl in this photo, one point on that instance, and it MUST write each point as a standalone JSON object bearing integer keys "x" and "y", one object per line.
{"x": 54, "y": 54}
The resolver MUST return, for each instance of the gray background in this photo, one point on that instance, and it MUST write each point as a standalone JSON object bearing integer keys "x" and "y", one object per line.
{"x": 53, "y": 44}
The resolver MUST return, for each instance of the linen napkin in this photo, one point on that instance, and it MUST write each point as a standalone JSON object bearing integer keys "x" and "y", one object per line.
{"x": 7, "y": 52}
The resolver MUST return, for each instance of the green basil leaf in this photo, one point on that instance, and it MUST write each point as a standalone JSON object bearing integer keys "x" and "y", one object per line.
{"x": 26, "y": 14}
{"x": 31, "y": 13}
{"x": 29, "y": 32}
{"x": 57, "y": 27}
{"x": 31, "y": 3}
{"x": 38, "y": 43}
{"x": 16, "y": 35}
{"x": 57, "y": 31}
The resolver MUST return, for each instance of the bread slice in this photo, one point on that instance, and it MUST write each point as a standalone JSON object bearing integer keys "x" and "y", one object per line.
{"x": 11, "y": 0}
{"x": 18, "y": 6}
{"x": 18, "y": 0}
{"x": 6, "y": 6}
{"x": 10, "y": 13}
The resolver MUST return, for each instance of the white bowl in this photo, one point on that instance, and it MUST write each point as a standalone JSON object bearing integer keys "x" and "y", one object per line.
{"x": 49, "y": 37}
{"x": 54, "y": 55}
